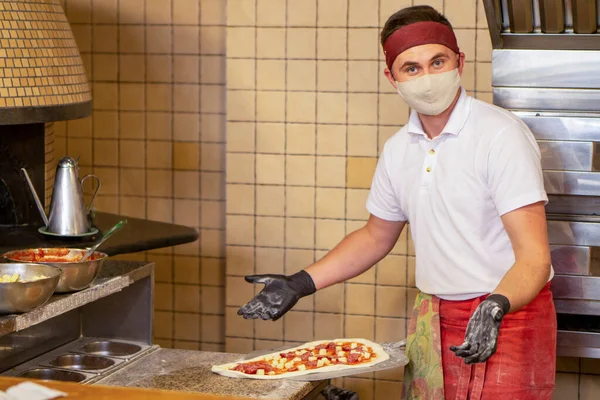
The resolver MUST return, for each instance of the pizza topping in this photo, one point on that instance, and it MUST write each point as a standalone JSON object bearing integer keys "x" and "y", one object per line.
{"x": 330, "y": 353}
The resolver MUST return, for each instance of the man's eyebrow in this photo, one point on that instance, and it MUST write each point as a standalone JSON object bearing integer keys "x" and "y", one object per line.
{"x": 412, "y": 63}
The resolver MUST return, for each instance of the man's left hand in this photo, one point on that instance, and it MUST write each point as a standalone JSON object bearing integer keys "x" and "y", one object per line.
{"x": 481, "y": 337}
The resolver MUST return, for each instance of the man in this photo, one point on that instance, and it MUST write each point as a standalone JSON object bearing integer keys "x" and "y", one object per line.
{"x": 467, "y": 176}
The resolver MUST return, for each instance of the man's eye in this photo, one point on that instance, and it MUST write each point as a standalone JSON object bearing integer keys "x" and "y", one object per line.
{"x": 438, "y": 63}
{"x": 411, "y": 70}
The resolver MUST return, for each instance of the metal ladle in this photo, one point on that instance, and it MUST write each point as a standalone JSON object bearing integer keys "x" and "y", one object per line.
{"x": 108, "y": 234}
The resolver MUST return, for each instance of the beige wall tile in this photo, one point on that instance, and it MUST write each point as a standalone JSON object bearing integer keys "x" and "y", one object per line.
{"x": 301, "y": 13}
{"x": 240, "y": 74}
{"x": 270, "y": 106}
{"x": 462, "y": 14}
{"x": 241, "y": 42}
{"x": 240, "y": 260}
{"x": 387, "y": 390}
{"x": 483, "y": 77}
{"x": 299, "y": 232}
{"x": 567, "y": 364}
{"x": 213, "y": 12}
{"x": 158, "y": 39}
{"x": 300, "y": 170}
{"x": 240, "y": 168}
{"x": 238, "y": 292}
{"x": 106, "y": 152}
{"x": 212, "y": 157}
{"x": 105, "y": 38}
{"x": 360, "y": 171}
{"x": 363, "y": 76}
{"x": 240, "y": 199}
{"x": 358, "y": 326}
{"x": 298, "y": 326}
{"x": 331, "y": 107}
{"x": 567, "y": 386}
{"x": 186, "y": 11}
{"x": 158, "y": 11}
{"x": 187, "y": 298}
{"x": 331, "y": 43}
{"x": 238, "y": 345}
{"x": 240, "y": 230}
{"x": 394, "y": 374}
{"x": 300, "y": 138}
{"x": 466, "y": 42}
{"x": 132, "y": 125}
{"x": 331, "y": 75}
{"x": 356, "y": 204}
{"x": 237, "y": 326}
{"x": 329, "y": 326}
{"x": 270, "y": 42}
{"x": 391, "y": 301}
{"x": 270, "y": 74}
{"x": 329, "y": 233}
{"x": 363, "y": 13}
{"x": 163, "y": 296}
{"x": 213, "y": 330}
{"x": 389, "y": 329}
{"x": 330, "y": 202}
{"x": 468, "y": 76}
{"x": 106, "y": 67}
{"x": 589, "y": 387}
{"x": 300, "y": 106}
{"x": 132, "y": 182}
{"x": 301, "y": 74}
{"x": 186, "y": 68}
{"x": 362, "y": 387}
{"x": 300, "y": 201}
{"x": 160, "y": 210}
{"x": 270, "y": 200}
{"x": 331, "y": 140}
{"x": 187, "y": 326}
{"x": 131, "y": 38}
{"x": 296, "y": 260}
{"x": 393, "y": 110}
{"x": 270, "y": 169}
{"x": 240, "y": 136}
{"x": 212, "y": 300}
{"x": 186, "y": 184}
{"x": 271, "y": 12}
{"x": 163, "y": 324}
{"x": 363, "y": 44}
{"x": 269, "y": 330}
{"x": 269, "y": 231}
{"x": 105, "y": 96}
{"x": 241, "y": 12}
{"x": 330, "y": 300}
{"x": 301, "y": 42}
{"x": 360, "y": 299}
{"x": 212, "y": 69}
{"x": 332, "y": 13}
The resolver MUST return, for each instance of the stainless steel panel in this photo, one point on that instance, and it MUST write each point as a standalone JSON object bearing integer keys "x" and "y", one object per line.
{"x": 566, "y": 204}
{"x": 584, "y": 16}
{"x": 552, "y": 16}
{"x": 549, "y": 41}
{"x": 494, "y": 12}
{"x": 578, "y": 344}
{"x": 576, "y": 287}
{"x": 577, "y": 307}
{"x": 571, "y": 260}
{"x": 574, "y": 156}
{"x": 574, "y": 234}
{"x": 563, "y": 126}
{"x": 546, "y": 99}
{"x": 573, "y": 183}
{"x": 520, "y": 16}
{"x": 546, "y": 69}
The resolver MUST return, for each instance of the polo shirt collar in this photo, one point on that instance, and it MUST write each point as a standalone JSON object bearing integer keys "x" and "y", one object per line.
{"x": 455, "y": 122}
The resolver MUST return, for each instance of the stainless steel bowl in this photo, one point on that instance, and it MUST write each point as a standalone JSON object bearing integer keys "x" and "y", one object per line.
{"x": 110, "y": 348}
{"x": 82, "y": 362}
{"x": 76, "y": 275}
{"x": 49, "y": 374}
{"x": 20, "y": 297}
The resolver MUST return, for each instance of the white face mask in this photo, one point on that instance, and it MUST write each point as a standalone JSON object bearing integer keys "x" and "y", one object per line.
{"x": 430, "y": 94}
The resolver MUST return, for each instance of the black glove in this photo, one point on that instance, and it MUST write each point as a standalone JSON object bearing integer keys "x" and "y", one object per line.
{"x": 481, "y": 337}
{"x": 335, "y": 393}
{"x": 280, "y": 293}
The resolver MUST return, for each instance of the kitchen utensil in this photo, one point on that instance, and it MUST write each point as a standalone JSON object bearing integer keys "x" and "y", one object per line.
{"x": 19, "y": 297}
{"x": 108, "y": 234}
{"x": 394, "y": 349}
{"x": 76, "y": 275}
{"x": 68, "y": 214}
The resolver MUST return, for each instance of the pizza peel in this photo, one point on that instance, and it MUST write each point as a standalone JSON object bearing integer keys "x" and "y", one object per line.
{"x": 394, "y": 349}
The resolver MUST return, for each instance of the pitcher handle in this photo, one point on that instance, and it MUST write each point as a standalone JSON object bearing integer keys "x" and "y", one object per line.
{"x": 89, "y": 208}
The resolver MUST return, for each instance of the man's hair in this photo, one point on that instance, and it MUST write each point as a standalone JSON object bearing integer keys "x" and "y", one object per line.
{"x": 410, "y": 15}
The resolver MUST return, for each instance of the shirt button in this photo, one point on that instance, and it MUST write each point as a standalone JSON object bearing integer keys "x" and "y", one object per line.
{"x": 432, "y": 151}
{"x": 428, "y": 169}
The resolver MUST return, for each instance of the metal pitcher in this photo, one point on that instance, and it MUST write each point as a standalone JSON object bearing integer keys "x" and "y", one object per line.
{"x": 68, "y": 214}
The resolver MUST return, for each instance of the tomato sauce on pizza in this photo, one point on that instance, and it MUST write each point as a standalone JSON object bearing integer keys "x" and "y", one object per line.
{"x": 322, "y": 355}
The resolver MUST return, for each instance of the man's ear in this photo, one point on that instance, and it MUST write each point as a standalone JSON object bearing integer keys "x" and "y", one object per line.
{"x": 390, "y": 77}
{"x": 461, "y": 63}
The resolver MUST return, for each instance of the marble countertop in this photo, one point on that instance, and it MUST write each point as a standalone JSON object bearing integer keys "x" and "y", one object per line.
{"x": 189, "y": 371}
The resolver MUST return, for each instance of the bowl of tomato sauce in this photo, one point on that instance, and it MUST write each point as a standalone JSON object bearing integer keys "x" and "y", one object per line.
{"x": 76, "y": 275}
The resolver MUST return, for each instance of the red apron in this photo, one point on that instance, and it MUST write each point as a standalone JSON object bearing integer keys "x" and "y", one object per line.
{"x": 523, "y": 367}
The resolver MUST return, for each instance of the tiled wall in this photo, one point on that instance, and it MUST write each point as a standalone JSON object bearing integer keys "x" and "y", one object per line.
{"x": 156, "y": 139}
{"x": 308, "y": 110}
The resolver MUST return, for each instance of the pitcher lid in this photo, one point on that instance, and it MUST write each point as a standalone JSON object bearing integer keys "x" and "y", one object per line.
{"x": 67, "y": 162}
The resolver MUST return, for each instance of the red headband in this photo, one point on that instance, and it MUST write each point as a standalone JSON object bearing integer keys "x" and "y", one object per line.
{"x": 418, "y": 34}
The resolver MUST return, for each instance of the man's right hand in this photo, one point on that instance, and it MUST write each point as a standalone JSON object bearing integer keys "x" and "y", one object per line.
{"x": 280, "y": 294}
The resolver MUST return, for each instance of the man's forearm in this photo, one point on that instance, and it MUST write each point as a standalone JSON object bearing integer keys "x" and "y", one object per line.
{"x": 523, "y": 282}
{"x": 358, "y": 252}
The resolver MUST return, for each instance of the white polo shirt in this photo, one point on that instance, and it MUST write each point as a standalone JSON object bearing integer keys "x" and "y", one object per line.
{"x": 454, "y": 189}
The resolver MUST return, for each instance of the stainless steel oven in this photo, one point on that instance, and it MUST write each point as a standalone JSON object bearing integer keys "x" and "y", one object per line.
{"x": 546, "y": 69}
